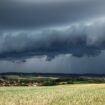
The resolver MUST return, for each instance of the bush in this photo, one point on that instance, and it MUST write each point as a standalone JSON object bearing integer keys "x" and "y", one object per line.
{"x": 49, "y": 83}
{"x": 70, "y": 82}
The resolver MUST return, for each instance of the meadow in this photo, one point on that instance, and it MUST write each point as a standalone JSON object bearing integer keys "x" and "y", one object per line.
{"x": 73, "y": 94}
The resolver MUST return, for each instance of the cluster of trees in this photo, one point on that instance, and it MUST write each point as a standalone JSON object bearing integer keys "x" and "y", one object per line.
{"x": 5, "y": 81}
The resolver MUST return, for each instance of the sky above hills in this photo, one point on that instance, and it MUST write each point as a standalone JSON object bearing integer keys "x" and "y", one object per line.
{"x": 55, "y": 36}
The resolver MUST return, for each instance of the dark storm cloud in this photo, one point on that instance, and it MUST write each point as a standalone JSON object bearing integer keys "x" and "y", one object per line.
{"x": 69, "y": 33}
{"x": 81, "y": 39}
{"x": 16, "y": 14}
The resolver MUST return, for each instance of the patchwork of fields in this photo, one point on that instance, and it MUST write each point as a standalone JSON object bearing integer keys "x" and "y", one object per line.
{"x": 87, "y": 94}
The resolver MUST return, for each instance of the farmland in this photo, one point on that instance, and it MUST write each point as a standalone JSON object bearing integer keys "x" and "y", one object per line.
{"x": 52, "y": 89}
{"x": 48, "y": 79}
{"x": 79, "y": 94}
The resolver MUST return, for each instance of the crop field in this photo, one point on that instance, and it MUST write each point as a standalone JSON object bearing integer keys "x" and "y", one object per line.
{"x": 81, "y": 94}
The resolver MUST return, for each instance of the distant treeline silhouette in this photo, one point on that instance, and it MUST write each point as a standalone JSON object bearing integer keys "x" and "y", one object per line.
{"x": 48, "y": 79}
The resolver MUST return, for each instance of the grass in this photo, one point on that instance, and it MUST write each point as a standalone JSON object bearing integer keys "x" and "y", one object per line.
{"x": 55, "y": 95}
{"x": 29, "y": 77}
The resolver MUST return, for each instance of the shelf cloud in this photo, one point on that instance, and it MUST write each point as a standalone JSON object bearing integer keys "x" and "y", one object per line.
{"x": 81, "y": 39}
{"x": 46, "y": 29}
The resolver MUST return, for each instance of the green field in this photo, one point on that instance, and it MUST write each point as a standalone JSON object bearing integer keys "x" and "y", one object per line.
{"x": 54, "y": 95}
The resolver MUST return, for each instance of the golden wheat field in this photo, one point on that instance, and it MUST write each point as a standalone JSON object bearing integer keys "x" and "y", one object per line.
{"x": 55, "y": 95}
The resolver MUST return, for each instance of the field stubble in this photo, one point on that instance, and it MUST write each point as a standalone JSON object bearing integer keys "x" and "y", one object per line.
{"x": 53, "y": 95}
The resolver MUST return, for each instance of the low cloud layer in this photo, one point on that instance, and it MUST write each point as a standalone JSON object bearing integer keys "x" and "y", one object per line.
{"x": 79, "y": 39}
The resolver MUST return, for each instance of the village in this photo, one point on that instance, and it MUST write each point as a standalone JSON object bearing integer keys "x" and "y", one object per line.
{"x": 18, "y": 83}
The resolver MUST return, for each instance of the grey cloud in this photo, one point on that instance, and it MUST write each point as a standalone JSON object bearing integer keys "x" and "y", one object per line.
{"x": 21, "y": 15}
{"x": 81, "y": 39}
{"x": 61, "y": 64}
{"x": 68, "y": 33}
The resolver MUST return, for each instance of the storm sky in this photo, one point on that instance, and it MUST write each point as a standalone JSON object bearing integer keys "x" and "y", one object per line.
{"x": 53, "y": 36}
